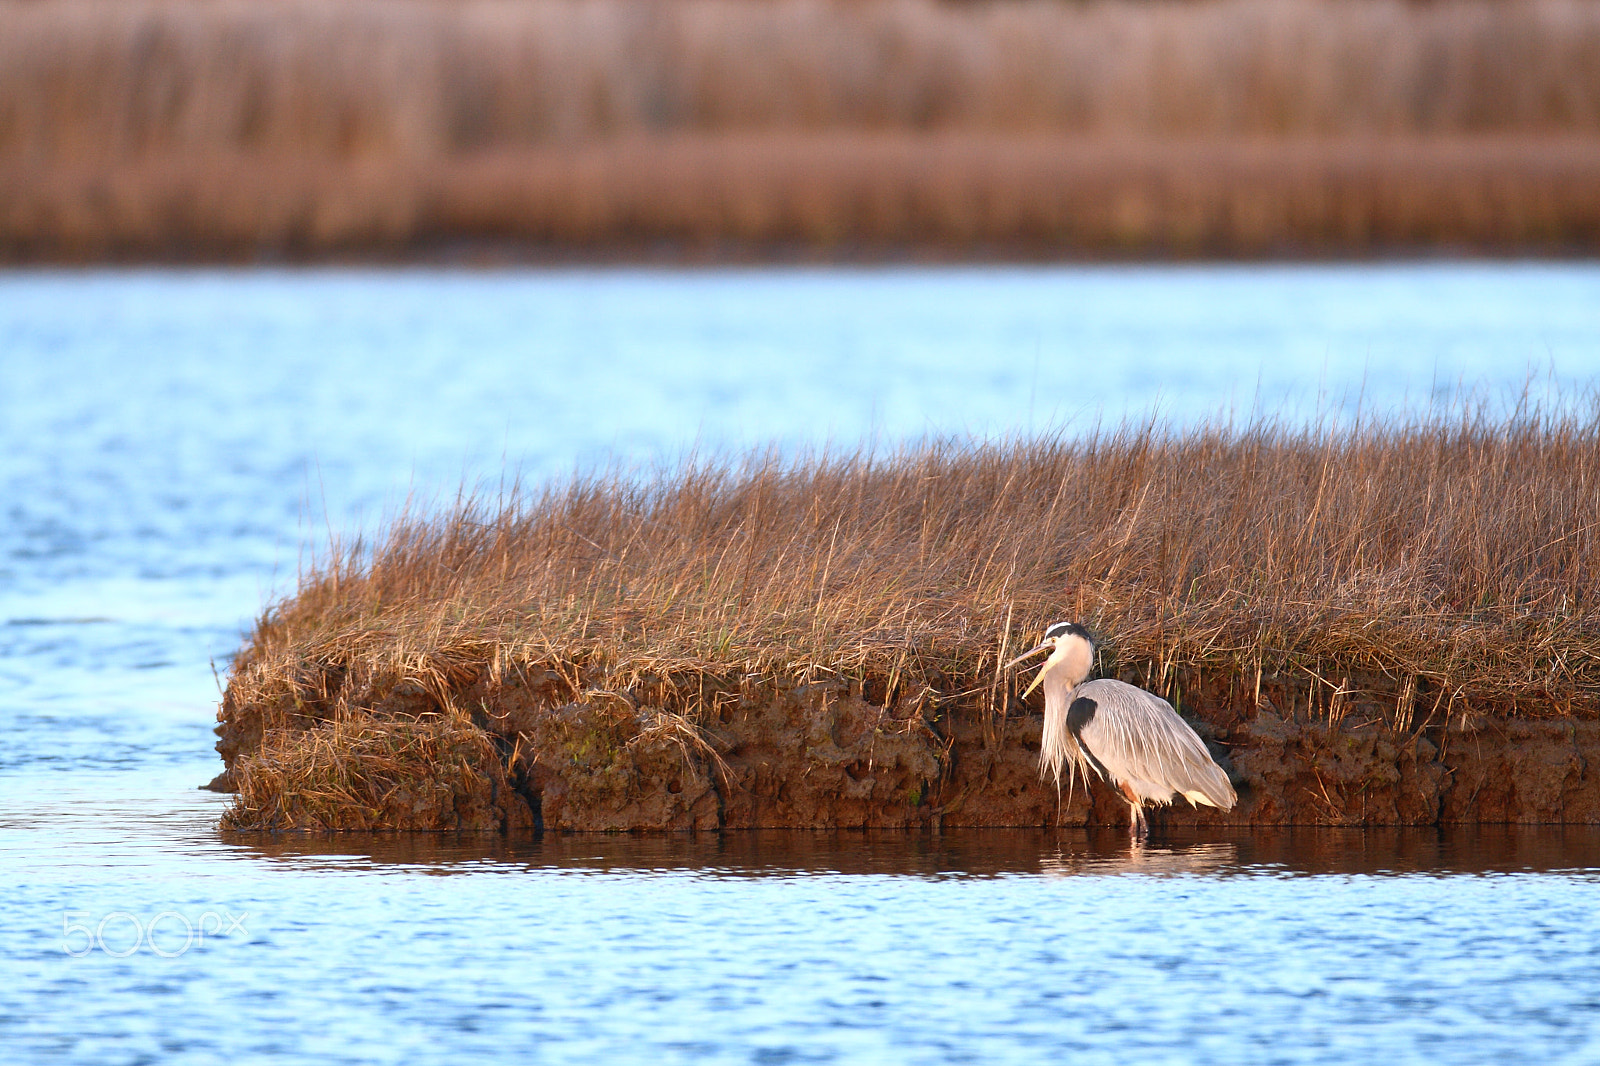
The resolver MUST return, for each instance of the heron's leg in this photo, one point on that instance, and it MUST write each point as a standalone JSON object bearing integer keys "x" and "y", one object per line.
{"x": 1137, "y": 828}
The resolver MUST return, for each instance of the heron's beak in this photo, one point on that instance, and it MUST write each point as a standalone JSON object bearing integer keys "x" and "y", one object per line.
{"x": 1025, "y": 656}
{"x": 1048, "y": 645}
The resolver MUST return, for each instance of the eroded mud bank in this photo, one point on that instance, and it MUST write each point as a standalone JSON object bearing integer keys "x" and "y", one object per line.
{"x": 519, "y": 752}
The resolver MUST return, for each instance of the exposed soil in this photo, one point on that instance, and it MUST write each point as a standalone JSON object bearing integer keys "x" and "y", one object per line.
{"x": 823, "y": 754}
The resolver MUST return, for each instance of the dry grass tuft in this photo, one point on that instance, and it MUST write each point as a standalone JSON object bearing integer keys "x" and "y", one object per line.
{"x": 360, "y": 771}
{"x": 1456, "y": 554}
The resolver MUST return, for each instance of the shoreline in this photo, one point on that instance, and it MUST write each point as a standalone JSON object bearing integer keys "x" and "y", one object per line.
{"x": 818, "y": 756}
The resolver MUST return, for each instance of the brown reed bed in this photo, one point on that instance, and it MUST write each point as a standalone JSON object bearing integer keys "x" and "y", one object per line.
{"x": 81, "y": 78}
{"x": 1439, "y": 572}
{"x": 245, "y": 127}
{"x": 836, "y": 195}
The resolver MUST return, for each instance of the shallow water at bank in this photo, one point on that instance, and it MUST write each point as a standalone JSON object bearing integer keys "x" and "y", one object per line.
{"x": 169, "y": 441}
{"x": 995, "y": 946}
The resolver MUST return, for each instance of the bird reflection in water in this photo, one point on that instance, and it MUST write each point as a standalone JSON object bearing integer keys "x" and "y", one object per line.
{"x": 1140, "y": 857}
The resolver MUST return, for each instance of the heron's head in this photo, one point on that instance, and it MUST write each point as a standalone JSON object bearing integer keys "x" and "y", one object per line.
{"x": 1071, "y": 649}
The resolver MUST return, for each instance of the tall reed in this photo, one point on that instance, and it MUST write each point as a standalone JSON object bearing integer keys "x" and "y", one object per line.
{"x": 87, "y": 79}
{"x": 314, "y": 127}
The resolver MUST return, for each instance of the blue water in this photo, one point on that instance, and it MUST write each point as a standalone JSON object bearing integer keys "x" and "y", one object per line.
{"x": 171, "y": 443}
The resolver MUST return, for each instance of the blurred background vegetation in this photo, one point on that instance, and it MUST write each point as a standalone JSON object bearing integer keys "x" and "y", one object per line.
{"x": 176, "y": 129}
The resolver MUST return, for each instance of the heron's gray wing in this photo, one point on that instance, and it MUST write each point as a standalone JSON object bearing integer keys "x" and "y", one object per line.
{"x": 1141, "y": 740}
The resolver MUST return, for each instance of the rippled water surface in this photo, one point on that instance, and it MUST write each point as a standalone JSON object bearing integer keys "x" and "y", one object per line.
{"x": 170, "y": 442}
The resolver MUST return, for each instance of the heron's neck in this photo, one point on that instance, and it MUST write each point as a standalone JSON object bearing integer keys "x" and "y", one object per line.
{"x": 1068, "y": 679}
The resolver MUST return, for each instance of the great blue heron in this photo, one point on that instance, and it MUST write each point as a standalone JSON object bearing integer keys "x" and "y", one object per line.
{"x": 1133, "y": 739}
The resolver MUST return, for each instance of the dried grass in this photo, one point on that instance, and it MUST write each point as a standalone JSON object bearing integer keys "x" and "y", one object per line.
{"x": 1456, "y": 553}
{"x": 405, "y": 78}
{"x": 361, "y": 771}
{"x": 832, "y": 194}
{"x": 242, "y": 127}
